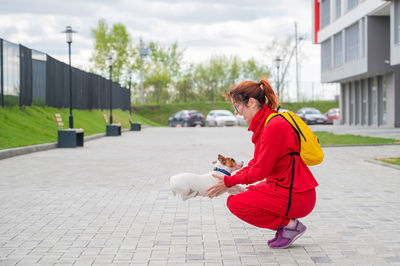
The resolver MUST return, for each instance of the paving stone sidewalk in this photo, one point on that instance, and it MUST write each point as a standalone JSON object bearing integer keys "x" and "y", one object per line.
{"x": 108, "y": 203}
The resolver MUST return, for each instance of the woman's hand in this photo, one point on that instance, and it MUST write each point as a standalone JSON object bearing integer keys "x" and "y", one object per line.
{"x": 217, "y": 189}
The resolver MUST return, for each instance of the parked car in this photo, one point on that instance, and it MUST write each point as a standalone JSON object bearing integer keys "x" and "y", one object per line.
{"x": 332, "y": 114}
{"x": 186, "y": 118}
{"x": 282, "y": 110}
{"x": 311, "y": 116}
{"x": 240, "y": 120}
{"x": 221, "y": 118}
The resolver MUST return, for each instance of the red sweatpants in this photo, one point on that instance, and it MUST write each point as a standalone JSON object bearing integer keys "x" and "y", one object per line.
{"x": 267, "y": 208}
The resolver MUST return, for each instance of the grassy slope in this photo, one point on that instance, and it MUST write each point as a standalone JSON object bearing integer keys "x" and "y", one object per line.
{"x": 36, "y": 125}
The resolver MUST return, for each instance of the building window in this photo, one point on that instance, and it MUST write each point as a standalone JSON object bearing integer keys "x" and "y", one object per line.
{"x": 372, "y": 103}
{"x": 357, "y": 102}
{"x": 337, "y": 50}
{"x": 364, "y": 102}
{"x": 351, "y": 101}
{"x": 351, "y": 42}
{"x": 381, "y": 100}
{"x": 396, "y": 21}
{"x": 11, "y": 73}
{"x": 338, "y": 8}
{"x": 326, "y": 55}
{"x": 344, "y": 103}
{"x": 363, "y": 32}
{"x": 351, "y": 4}
{"x": 325, "y": 8}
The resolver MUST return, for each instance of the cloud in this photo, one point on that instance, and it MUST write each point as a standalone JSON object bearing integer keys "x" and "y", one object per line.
{"x": 203, "y": 27}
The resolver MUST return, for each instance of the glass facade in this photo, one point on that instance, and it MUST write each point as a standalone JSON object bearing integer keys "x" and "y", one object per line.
{"x": 343, "y": 97}
{"x": 11, "y": 73}
{"x": 381, "y": 101}
{"x": 32, "y": 77}
{"x": 365, "y": 102}
{"x": 337, "y": 50}
{"x": 351, "y": 101}
{"x": 351, "y": 42}
{"x": 384, "y": 105}
{"x": 338, "y": 8}
{"x": 325, "y": 7}
{"x": 326, "y": 55}
{"x": 351, "y": 4}
{"x": 38, "y": 78}
{"x": 396, "y": 22}
{"x": 363, "y": 37}
{"x": 374, "y": 104}
{"x": 357, "y": 102}
{"x": 364, "y": 93}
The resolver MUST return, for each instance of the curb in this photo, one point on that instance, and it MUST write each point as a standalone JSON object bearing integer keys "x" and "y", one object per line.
{"x": 384, "y": 164}
{"x": 8, "y": 153}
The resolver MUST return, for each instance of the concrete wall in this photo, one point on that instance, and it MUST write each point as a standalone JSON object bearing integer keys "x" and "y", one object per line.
{"x": 378, "y": 48}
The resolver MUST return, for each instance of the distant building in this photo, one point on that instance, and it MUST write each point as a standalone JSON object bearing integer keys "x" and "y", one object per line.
{"x": 360, "y": 49}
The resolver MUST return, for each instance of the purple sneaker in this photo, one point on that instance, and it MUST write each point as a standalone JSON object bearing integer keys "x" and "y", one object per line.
{"x": 286, "y": 236}
{"x": 280, "y": 228}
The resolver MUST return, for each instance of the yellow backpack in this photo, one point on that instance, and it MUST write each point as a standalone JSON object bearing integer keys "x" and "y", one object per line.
{"x": 310, "y": 149}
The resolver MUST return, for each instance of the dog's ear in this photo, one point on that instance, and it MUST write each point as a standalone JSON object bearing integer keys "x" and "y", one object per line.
{"x": 220, "y": 157}
{"x": 214, "y": 162}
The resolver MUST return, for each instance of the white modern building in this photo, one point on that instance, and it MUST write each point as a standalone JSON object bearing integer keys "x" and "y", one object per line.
{"x": 360, "y": 49}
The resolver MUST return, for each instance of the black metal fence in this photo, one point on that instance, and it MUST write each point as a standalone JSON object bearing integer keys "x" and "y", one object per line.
{"x": 30, "y": 77}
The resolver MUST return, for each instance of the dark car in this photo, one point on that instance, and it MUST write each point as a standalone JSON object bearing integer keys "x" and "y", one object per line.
{"x": 186, "y": 118}
{"x": 311, "y": 116}
{"x": 332, "y": 114}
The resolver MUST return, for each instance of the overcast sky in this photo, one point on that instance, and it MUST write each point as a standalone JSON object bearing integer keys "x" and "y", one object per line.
{"x": 203, "y": 27}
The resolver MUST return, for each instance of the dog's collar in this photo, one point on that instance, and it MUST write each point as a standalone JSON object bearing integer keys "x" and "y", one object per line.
{"x": 222, "y": 171}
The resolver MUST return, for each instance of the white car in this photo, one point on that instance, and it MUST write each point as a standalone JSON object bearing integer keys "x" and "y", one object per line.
{"x": 221, "y": 118}
{"x": 241, "y": 121}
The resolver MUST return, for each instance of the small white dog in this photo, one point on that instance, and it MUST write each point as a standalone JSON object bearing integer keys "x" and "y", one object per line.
{"x": 190, "y": 185}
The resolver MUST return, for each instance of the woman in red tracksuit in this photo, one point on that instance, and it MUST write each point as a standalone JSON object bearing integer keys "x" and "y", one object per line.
{"x": 266, "y": 204}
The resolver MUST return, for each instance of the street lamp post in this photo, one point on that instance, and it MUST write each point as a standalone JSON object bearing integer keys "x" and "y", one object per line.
{"x": 143, "y": 52}
{"x": 130, "y": 80}
{"x": 68, "y": 31}
{"x": 110, "y": 63}
{"x": 277, "y": 64}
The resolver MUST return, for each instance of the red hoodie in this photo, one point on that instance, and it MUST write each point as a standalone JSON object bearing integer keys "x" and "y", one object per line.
{"x": 271, "y": 162}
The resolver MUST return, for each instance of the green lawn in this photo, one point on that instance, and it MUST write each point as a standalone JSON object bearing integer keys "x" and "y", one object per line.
{"x": 36, "y": 125}
{"x": 327, "y": 138}
{"x": 395, "y": 161}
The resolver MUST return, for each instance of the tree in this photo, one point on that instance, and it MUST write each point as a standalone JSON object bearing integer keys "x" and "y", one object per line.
{"x": 214, "y": 77}
{"x": 284, "y": 50}
{"x": 115, "y": 41}
{"x": 253, "y": 71}
{"x": 162, "y": 71}
{"x": 185, "y": 86}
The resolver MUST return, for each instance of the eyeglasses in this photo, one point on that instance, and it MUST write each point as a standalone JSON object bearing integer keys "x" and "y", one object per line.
{"x": 236, "y": 106}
